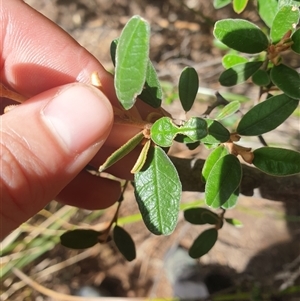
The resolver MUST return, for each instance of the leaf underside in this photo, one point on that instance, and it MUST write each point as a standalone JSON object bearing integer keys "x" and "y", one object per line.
{"x": 132, "y": 56}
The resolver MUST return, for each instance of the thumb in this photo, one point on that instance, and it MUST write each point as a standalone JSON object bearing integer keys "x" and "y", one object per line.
{"x": 44, "y": 143}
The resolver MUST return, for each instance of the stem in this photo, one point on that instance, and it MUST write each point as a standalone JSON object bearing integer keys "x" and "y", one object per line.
{"x": 220, "y": 100}
{"x": 6, "y": 93}
{"x": 115, "y": 218}
{"x": 262, "y": 140}
{"x": 261, "y": 92}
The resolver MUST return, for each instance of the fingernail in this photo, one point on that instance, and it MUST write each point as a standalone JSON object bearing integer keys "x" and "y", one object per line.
{"x": 79, "y": 116}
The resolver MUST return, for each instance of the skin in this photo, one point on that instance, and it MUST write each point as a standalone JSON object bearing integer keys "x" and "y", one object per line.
{"x": 39, "y": 60}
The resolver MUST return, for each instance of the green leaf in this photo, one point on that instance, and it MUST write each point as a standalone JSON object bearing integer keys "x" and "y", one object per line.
{"x": 239, "y": 5}
{"x": 212, "y": 159}
{"x": 277, "y": 161}
{"x": 142, "y": 158}
{"x": 267, "y": 115}
{"x": 286, "y": 19}
{"x": 230, "y": 60}
{"x": 238, "y": 73}
{"x": 121, "y": 152}
{"x": 229, "y": 110}
{"x": 267, "y": 11}
{"x": 261, "y": 78}
{"x": 188, "y": 87}
{"x": 163, "y": 132}
{"x": 195, "y": 128}
{"x": 241, "y": 35}
{"x": 232, "y": 97}
{"x": 113, "y": 50}
{"x": 79, "y": 238}
{"x": 232, "y": 200}
{"x": 217, "y": 133}
{"x": 234, "y": 222}
{"x": 124, "y": 243}
{"x": 221, "y": 3}
{"x": 152, "y": 92}
{"x": 132, "y": 58}
{"x": 296, "y": 40}
{"x": 158, "y": 192}
{"x": 201, "y": 216}
{"x": 223, "y": 180}
{"x": 287, "y": 80}
{"x": 203, "y": 243}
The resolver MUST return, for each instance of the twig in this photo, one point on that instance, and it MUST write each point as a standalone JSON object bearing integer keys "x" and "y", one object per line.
{"x": 6, "y": 93}
{"x": 262, "y": 140}
{"x": 220, "y": 100}
{"x": 288, "y": 275}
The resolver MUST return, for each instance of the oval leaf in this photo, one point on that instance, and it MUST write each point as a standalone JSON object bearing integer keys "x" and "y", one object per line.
{"x": 230, "y": 60}
{"x": 223, "y": 180}
{"x": 188, "y": 87}
{"x": 195, "y": 128}
{"x": 203, "y": 243}
{"x": 286, "y": 19}
{"x": 239, "y": 5}
{"x": 212, "y": 159}
{"x": 124, "y": 243}
{"x": 296, "y": 41}
{"x": 201, "y": 216}
{"x": 113, "y": 50}
{"x": 267, "y": 115}
{"x": 152, "y": 92}
{"x": 216, "y": 132}
{"x": 229, "y": 110}
{"x": 261, "y": 78}
{"x": 221, "y": 3}
{"x": 234, "y": 222}
{"x": 132, "y": 61}
{"x": 287, "y": 80}
{"x": 232, "y": 96}
{"x": 163, "y": 132}
{"x": 158, "y": 192}
{"x": 277, "y": 161}
{"x": 267, "y": 10}
{"x": 241, "y": 35}
{"x": 79, "y": 238}
{"x": 238, "y": 73}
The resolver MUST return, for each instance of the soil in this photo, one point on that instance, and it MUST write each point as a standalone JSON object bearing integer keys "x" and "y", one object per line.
{"x": 257, "y": 256}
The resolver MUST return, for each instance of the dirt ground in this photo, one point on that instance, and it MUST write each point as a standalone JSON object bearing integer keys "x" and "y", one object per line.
{"x": 265, "y": 252}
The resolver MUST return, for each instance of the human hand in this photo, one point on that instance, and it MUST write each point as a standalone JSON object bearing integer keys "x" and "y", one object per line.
{"x": 47, "y": 141}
